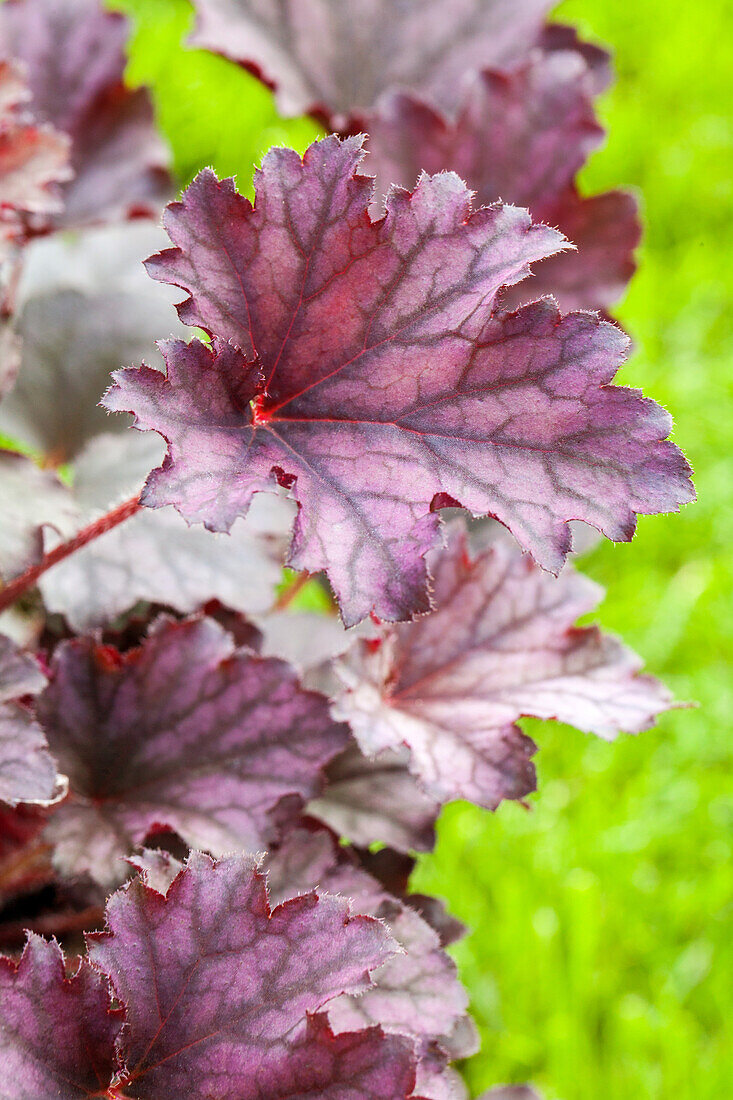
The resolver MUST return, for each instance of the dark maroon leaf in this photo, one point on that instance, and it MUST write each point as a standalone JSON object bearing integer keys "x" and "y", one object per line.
{"x": 500, "y": 644}
{"x": 27, "y": 772}
{"x": 521, "y": 135}
{"x": 216, "y": 1005}
{"x": 73, "y": 52}
{"x": 417, "y": 397}
{"x": 376, "y": 800}
{"x": 184, "y": 733}
{"x": 332, "y": 58}
{"x": 57, "y": 1034}
{"x": 415, "y": 993}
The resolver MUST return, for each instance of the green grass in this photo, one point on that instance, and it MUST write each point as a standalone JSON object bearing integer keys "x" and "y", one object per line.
{"x": 600, "y": 959}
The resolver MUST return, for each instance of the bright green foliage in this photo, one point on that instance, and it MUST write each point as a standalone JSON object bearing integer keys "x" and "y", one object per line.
{"x": 602, "y": 950}
{"x": 600, "y": 960}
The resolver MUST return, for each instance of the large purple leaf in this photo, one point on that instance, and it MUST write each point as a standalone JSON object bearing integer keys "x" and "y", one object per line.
{"x": 217, "y": 985}
{"x": 27, "y": 772}
{"x": 57, "y": 1034}
{"x": 500, "y": 644}
{"x": 376, "y": 800}
{"x": 155, "y": 556}
{"x": 416, "y": 993}
{"x": 73, "y": 52}
{"x": 335, "y": 59}
{"x": 521, "y": 135}
{"x": 185, "y": 733}
{"x": 385, "y": 385}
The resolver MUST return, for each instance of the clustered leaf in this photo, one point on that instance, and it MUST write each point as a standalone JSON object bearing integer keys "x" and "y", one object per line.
{"x": 500, "y": 644}
{"x": 373, "y": 354}
{"x": 184, "y": 733}
{"x": 118, "y": 160}
{"x": 34, "y": 159}
{"x": 335, "y": 62}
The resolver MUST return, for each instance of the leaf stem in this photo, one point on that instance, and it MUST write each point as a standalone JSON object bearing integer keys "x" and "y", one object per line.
{"x": 287, "y": 597}
{"x": 20, "y": 585}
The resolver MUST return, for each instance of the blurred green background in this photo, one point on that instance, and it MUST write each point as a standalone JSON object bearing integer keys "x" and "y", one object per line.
{"x": 600, "y": 960}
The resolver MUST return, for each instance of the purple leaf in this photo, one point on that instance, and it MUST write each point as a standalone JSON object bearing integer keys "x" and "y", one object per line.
{"x": 416, "y": 993}
{"x": 216, "y": 1005}
{"x": 606, "y": 230}
{"x": 521, "y": 135}
{"x": 185, "y": 733}
{"x": 27, "y": 772}
{"x": 418, "y": 397}
{"x": 57, "y": 1034}
{"x": 80, "y": 317}
{"x": 34, "y": 160}
{"x": 19, "y": 672}
{"x": 29, "y": 498}
{"x": 155, "y": 556}
{"x": 333, "y": 60}
{"x": 376, "y": 800}
{"x": 393, "y": 870}
{"x": 500, "y": 644}
{"x": 367, "y": 1065}
{"x": 73, "y": 52}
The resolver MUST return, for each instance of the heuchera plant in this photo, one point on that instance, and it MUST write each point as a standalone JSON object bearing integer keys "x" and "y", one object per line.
{"x": 223, "y": 791}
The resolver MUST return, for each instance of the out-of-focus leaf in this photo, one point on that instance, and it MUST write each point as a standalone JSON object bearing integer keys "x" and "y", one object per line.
{"x": 34, "y": 160}
{"x": 377, "y": 800}
{"x": 73, "y": 55}
{"x": 155, "y": 556}
{"x": 29, "y": 499}
{"x": 521, "y": 135}
{"x": 85, "y": 307}
{"x": 335, "y": 59}
{"x": 27, "y": 772}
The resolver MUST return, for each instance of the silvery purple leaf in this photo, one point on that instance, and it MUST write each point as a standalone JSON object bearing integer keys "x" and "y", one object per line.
{"x": 521, "y": 135}
{"x": 155, "y": 556}
{"x": 419, "y": 397}
{"x": 416, "y": 993}
{"x": 30, "y": 498}
{"x": 185, "y": 733}
{"x": 335, "y": 59}
{"x": 57, "y": 1034}
{"x": 73, "y": 54}
{"x": 27, "y": 772}
{"x": 500, "y": 644}
{"x": 84, "y": 308}
{"x": 234, "y": 982}
{"x": 376, "y": 800}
